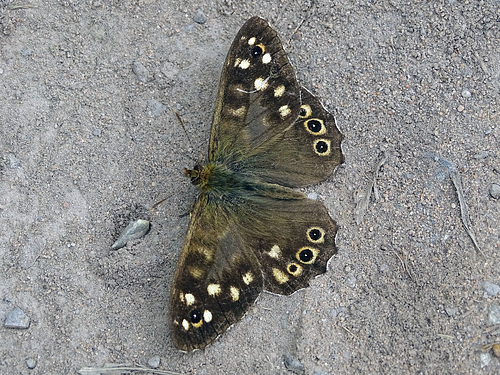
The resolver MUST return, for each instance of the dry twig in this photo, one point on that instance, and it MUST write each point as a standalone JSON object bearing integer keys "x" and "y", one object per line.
{"x": 362, "y": 204}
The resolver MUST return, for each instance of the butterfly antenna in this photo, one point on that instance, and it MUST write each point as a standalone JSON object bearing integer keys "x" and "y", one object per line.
{"x": 159, "y": 202}
{"x": 182, "y": 124}
{"x": 185, "y": 132}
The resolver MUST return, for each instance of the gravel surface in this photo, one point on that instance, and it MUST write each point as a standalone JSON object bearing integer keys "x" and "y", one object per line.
{"x": 89, "y": 142}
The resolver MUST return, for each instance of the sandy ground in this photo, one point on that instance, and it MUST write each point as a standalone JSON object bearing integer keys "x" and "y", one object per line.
{"x": 89, "y": 142}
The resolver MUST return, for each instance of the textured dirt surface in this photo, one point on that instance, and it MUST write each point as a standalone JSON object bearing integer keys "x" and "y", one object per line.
{"x": 89, "y": 142}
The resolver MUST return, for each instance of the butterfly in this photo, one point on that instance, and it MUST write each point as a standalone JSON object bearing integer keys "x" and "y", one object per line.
{"x": 250, "y": 230}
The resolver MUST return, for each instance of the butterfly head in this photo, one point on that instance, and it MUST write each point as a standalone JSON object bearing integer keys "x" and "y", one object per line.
{"x": 194, "y": 174}
{"x": 200, "y": 175}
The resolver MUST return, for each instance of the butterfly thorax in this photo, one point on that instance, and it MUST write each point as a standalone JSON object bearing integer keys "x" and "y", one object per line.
{"x": 215, "y": 179}
{"x": 218, "y": 180}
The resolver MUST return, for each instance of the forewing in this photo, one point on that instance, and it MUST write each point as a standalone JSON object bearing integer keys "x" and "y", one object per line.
{"x": 258, "y": 97}
{"x": 264, "y": 124}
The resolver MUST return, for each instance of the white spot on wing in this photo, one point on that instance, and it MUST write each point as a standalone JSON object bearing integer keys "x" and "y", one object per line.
{"x": 266, "y": 59}
{"x": 244, "y": 64}
{"x": 235, "y": 293}
{"x": 213, "y": 289}
{"x": 278, "y": 91}
{"x": 275, "y": 252}
{"x": 285, "y": 111}
{"x": 280, "y": 276}
{"x": 189, "y": 299}
{"x": 248, "y": 278}
{"x": 260, "y": 84}
{"x": 251, "y": 41}
{"x": 185, "y": 324}
{"x": 240, "y": 112}
{"x": 207, "y": 316}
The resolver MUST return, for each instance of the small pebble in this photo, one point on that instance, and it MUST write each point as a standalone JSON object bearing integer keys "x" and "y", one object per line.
{"x": 170, "y": 70}
{"x": 140, "y": 71}
{"x": 156, "y": 108}
{"x": 284, "y": 322}
{"x": 313, "y": 196}
{"x": 31, "y": 363}
{"x": 351, "y": 281}
{"x": 26, "y": 52}
{"x": 154, "y": 362}
{"x": 451, "y": 311}
{"x": 13, "y": 161}
{"x": 481, "y": 155}
{"x": 384, "y": 267}
{"x": 491, "y": 289}
{"x": 495, "y": 190}
{"x": 334, "y": 313}
{"x": 17, "y": 319}
{"x": 485, "y": 359}
{"x": 466, "y": 94}
{"x": 133, "y": 231}
{"x": 460, "y": 108}
{"x": 494, "y": 314}
{"x": 294, "y": 365}
{"x": 199, "y": 17}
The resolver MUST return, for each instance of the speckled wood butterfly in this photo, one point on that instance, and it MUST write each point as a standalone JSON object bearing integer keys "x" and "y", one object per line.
{"x": 250, "y": 230}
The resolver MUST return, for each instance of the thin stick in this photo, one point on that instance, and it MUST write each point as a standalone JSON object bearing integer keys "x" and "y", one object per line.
{"x": 113, "y": 369}
{"x": 182, "y": 124}
{"x": 295, "y": 31}
{"x": 404, "y": 265}
{"x": 363, "y": 201}
{"x": 21, "y": 6}
{"x": 347, "y": 330}
{"x": 464, "y": 211}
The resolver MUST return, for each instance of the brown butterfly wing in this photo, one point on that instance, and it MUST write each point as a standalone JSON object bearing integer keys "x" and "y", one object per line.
{"x": 303, "y": 154}
{"x": 264, "y": 123}
{"x": 229, "y": 257}
{"x": 217, "y": 278}
{"x": 258, "y": 93}
{"x": 293, "y": 239}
